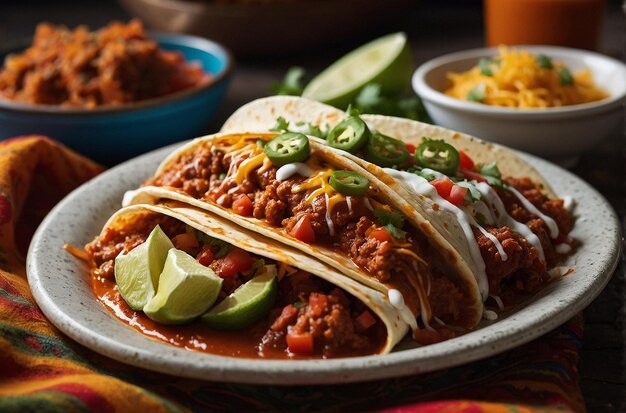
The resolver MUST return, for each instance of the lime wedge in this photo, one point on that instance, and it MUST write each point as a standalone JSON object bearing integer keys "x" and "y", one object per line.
{"x": 137, "y": 273}
{"x": 247, "y": 304}
{"x": 186, "y": 290}
{"x": 386, "y": 61}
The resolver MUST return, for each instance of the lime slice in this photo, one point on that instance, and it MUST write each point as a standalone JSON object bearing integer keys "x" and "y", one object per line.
{"x": 247, "y": 304}
{"x": 137, "y": 273}
{"x": 186, "y": 290}
{"x": 386, "y": 61}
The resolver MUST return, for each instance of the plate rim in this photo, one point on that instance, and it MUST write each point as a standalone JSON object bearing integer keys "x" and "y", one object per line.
{"x": 191, "y": 364}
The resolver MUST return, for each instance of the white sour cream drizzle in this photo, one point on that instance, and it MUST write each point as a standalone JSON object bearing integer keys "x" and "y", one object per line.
{"x": 552, "y": 226}
{"x": 329, "y": 221}
{"x": 504, "y": 218}
{"x": 436, "y": 174}
{"x": 397, "y": 300}
{"x": 490, "y": 315}
{"x": 563, "y": 248}
{"x": 349, "y": 203}
{"x": 491, "y": 237}
{"x": 422, "y": 186}
{"x": 568, "y": 202}
{"x": 288, "y": 170}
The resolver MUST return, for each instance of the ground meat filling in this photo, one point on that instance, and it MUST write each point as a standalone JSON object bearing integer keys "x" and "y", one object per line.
{"x": 323, "y": 311}
{"x": 277, "y": 203}
{"x": 523, "y": 271}
{"x": 326, "y": 312}
{"x": 112, "y": 242}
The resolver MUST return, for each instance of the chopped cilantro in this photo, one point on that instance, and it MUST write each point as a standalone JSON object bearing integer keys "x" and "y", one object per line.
{"x": 392, "y": 221}
{"x": 419, "y": 172}
{"x": 490, "y": 169}
{"x": 281, "y": 125}
{"x": 224, "y": 247}
{"x": 309, "y": 129}
{"x": 485, "y": 67}
{"x": 395, "y": 231}
{"x": 291, "y": 84}
{"x": 299, "y": 304}
{"x": 565, "y": 75}
{"x": 477, "y": 94}
{"x": 544, "y": 61}
{"x": 473, "y": 192}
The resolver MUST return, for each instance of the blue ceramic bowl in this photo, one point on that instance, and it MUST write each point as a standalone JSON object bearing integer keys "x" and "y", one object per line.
{"x": 112, "y": 134}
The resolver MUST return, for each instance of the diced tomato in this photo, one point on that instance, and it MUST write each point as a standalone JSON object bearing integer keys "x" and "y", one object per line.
{"x": 206, "y": 256}
{"x": 410, "y": 147}
{"x": 457, "y": 194}
{"x": 473, "y": 175}
{"x": 185, "y": 241}
{"x": 465, "y": 161}
{"x": 381, "y": 234}
{"x": 443, "y": 186}
{"x": 300, "y": 343}
{"x": 243, "y": 206}
{"x": 234, "y": 262}
{"x": 365, "y": 320}
{"x": 303, "y": 230}
{"x": 317, "y": 303}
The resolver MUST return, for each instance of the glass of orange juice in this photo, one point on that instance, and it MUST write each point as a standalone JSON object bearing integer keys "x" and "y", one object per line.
{"x": 571, "y": 23}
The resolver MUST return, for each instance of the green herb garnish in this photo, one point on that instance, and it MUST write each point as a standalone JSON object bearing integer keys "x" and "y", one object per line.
{"x": 477, "y": 94}
{"x": 565, "y": 75}
{"x": 392, "y": 221}
{"x": 484, "y": 65}
{"x": 544, "y": 62}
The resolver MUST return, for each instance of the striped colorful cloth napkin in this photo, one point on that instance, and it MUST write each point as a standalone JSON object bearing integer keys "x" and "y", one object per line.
{"x": 41, "y": 370}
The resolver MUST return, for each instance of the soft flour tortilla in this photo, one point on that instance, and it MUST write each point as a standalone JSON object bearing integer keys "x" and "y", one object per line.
{"x": 452, "y": 262}
{"x": 254, "y": 243}
{"x": 261, "y": 114}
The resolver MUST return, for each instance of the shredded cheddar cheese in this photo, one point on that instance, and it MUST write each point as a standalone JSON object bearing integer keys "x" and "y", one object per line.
{"x": 248, "y": 166}
{"x": 517, "y": 79}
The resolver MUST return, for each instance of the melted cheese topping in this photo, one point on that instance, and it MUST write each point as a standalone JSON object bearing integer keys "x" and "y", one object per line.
{"x": 323, "y": 187}
{"x": 248, "y": 166}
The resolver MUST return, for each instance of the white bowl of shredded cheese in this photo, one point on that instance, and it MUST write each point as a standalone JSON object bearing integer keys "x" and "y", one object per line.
{"x": 559, "y": 133}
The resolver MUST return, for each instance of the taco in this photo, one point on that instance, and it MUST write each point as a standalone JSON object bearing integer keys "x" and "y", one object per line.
{"x": 318, "y": 312}
{"x": 321, "y": 203}
{"x": 492, "y": 206}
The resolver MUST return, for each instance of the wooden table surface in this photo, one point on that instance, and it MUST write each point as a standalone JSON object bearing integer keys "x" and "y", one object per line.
{"x": 434, "y": 29}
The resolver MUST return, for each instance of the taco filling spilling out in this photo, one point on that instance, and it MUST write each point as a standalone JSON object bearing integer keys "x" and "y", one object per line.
{"x": 273, "y": 180}
{"x": 309, "y": 317}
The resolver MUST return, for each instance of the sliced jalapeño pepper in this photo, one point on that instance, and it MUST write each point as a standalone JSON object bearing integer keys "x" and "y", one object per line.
{"x": 349, "y": 183}
{"x": 350, "y": 135}
{"x": 437, "y": 155}
{"x": 287, "y": 148}
{"x": 386, "y": 151}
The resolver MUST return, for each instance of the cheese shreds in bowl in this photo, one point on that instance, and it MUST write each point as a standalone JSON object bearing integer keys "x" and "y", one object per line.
{"x": 518, "y": 79}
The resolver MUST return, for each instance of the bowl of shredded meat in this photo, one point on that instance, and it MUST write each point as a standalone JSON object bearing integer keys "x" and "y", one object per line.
{"x": 116, "y": 87}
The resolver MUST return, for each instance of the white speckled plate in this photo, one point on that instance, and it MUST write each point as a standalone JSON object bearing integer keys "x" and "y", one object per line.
{"x": 61, "y": 286}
